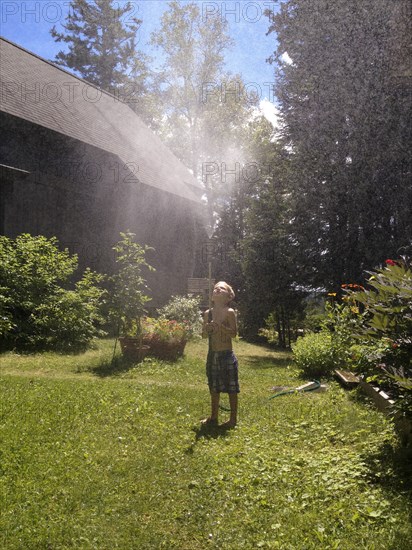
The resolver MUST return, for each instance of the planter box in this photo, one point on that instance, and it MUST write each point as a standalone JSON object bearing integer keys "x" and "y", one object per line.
{"x": 132, "y": 350}
{"x": 168, "y": 351}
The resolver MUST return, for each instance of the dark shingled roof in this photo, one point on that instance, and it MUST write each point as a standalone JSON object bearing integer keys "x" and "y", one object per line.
{"x": 38, "y": 91}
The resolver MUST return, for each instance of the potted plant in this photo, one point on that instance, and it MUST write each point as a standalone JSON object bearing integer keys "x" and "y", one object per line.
{"x": 166, "y": 338}
{"x": 130, "y": 295}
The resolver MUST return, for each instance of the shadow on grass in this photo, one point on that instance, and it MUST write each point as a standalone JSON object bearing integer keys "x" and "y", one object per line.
{"x": 391, "y": 468}
{"x": 259, "y": 363}
{"x": 116, "y": 366}
{"x": 207, "y": 432}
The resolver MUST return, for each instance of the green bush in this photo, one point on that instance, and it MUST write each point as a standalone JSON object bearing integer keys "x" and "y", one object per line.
{"x": 130, "y": 292}
{"x": 38, "y": 309}
{"x": 385, "y": 332}
{"x": 314, "y": 355}
{"x": 185, "y": 310}
{"x": 269, "y": 331}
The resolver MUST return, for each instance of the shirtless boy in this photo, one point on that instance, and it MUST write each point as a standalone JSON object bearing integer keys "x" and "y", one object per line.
{"x": 219, "y": 324}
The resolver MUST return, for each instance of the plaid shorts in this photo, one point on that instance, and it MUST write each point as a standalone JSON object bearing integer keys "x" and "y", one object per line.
{"x": 222, "y": 372}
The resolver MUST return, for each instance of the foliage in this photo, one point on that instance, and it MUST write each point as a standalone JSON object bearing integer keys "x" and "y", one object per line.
{"x": 37, "y": 309}
{"x": 342, "y": 321}
{"x": 129, "y": 295}
{"x": 314, "y": 313}
{"x": 163, "y": 330}
{"x": 6, "y": 317}
{"x": 265, "y": 251}
{"x": 101, "y": 38}
{"x": 282, "y": 328}
{"x": 186, "y": 310}
{"x": 269, "y": 331}
{"x": 69, "y": 317}
{"x": 199, "y": 115}
{"x": 314, "y": 355}
{"x": 344, "y": 121}
{"x": 386, "y": 328}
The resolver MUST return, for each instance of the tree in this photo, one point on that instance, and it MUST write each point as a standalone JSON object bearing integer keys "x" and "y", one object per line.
{"x": 345, "y": 119}
{"x": 204, "y": 107}
{"x": 271, "y": 269}
{"x": 102, "y": 49}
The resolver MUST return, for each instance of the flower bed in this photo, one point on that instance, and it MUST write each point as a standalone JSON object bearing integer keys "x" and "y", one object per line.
{"x": 132, "y": 349}
{"x": 167, "y": 339}
{"x": 169, "y": 351}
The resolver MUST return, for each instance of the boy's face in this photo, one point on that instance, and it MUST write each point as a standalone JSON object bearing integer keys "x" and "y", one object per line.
{"x": 221, "y": 294}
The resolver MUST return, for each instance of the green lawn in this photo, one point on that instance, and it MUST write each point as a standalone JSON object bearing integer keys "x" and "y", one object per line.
{"x": 103, "y": 459}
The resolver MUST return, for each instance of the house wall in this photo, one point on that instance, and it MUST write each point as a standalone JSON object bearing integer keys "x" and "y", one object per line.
{"x": 85, "y": 196}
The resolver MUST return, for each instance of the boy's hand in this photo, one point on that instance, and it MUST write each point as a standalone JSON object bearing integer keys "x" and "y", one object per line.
{"x": 211, "y": 327}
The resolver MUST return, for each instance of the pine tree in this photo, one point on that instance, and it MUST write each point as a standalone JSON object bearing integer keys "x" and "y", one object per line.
{"x": 101, "y": 39}
{"x": 346, "y": 122}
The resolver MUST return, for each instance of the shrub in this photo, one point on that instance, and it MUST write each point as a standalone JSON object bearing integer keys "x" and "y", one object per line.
{"x": 342, "y": 321}
{"x": 386, "y": 329}
{"x": 38, "y": 310}
{"x": 163, "y": 330}
{"x": 130, "y": 292}
{"x": 185, "y": 310}
{"x": 314, "y": 355}
{"x": 270, "y": 330}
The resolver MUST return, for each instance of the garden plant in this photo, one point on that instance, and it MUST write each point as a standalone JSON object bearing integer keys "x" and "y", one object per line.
{"x": 165, "y": 338}
{"x": 369, "y": 331}
{"x": 186, "y": 310}
{"x": 41, "y": 305}
{"x": 384, "y": 332}
{"x": 178, "y": 321}
{"x": 129, "y": 293}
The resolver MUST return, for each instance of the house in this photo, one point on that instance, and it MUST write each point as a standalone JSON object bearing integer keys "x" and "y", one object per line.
{"x": 78, "y": 164}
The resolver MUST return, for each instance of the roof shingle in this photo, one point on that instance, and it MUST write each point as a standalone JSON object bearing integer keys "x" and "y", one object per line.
{"x": 42, "y": 93}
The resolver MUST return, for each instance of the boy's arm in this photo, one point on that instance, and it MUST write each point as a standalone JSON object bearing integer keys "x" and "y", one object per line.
{"x": 229, "y": 328}
{"x": 205, "y": 327}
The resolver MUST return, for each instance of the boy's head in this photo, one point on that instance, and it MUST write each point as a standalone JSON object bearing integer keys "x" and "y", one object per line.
{"x": 222, "y": 288}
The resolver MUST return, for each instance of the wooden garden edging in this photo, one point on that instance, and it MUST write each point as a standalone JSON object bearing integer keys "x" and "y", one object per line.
{"x": 347, "y": 377}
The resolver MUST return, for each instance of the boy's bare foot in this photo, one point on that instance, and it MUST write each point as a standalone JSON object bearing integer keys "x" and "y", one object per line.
{"x": 228, "y": 425}
{"x": 209, "y": 421}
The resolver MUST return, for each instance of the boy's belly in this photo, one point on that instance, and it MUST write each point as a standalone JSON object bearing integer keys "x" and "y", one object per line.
{"x": 221, "y": 342}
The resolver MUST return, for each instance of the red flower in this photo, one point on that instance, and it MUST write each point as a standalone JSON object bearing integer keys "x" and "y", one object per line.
{"x": 390, "y": 262}
{"x": 352, "y": 285}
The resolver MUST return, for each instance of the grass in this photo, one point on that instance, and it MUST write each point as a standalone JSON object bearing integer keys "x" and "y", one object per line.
{"x": 95, "y": 457}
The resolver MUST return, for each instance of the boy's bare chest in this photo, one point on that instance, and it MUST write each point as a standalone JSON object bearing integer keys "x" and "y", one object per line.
{"x": 219, "y": 316}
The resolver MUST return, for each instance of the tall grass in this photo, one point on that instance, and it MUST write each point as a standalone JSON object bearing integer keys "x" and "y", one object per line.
{"x": 101, "y": 457}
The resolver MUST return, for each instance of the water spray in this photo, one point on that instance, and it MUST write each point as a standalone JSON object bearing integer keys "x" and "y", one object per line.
{"x": 209, "y": 236}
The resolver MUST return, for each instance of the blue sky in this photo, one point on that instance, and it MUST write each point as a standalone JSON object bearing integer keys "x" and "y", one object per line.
{"x": 28, "y": 23}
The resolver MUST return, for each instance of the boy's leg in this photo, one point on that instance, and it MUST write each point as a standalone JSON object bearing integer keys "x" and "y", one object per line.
{"x": 212, "y": 419}
{"x": 215, "y": 398}
{"x": 233, "y": 411}
{"x": 233, "y": 408}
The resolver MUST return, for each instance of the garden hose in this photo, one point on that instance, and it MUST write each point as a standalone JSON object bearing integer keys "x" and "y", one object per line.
{"x": 286, "y": 392}
{"x": 316, "y": 386}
